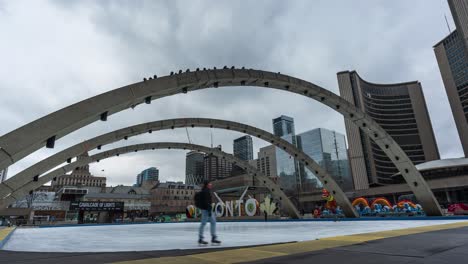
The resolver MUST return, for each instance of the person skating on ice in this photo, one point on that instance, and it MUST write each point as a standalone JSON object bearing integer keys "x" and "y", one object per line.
{"x": 203, "y": 201}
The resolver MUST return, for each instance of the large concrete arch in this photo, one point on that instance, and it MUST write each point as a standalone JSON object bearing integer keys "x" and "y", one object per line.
{"x": 24, "y": 140}
{"x": 264, "y": 180}
{"x": 16, "y": 182}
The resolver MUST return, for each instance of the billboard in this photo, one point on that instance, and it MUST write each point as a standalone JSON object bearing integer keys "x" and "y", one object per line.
{"x": 96, "y": 206}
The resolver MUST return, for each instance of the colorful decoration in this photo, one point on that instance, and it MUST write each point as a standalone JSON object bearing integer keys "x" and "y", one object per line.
{"x": 458, "y": 208}
{"x": 339, "y": 211}
{"x": 268, "y": 206}
{"x": 382, "y": 207}
{"x": 401, "y": 204}
{"x": 219, "y": 209}
{"x": 190, "y": 211}
{"x": 360, "y": 201}
{"x": 251, "y": 207}
{"x": 317, "y": 213}
{"x": 381, "y": 201}
{"x": 331, "y": 203}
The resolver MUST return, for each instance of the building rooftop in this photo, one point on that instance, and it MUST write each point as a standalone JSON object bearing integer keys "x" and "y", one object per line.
{"x": 121, "y": 189}
{"x": 441, "y": 164}
{"x": 176, "y": 185}
{"x": 116, "y": 196}
{"x": 242, "y": 138}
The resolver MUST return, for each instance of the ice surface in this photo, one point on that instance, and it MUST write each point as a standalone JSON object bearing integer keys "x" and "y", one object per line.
{"x": 165, "y": 236}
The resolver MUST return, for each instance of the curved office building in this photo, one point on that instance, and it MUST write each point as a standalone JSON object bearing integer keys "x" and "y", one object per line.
{"x": 401, "y": 110}
{"x": 452, "y": 57}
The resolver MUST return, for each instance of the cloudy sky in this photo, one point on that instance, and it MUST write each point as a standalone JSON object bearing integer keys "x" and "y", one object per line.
{"x": 55, "y": 53}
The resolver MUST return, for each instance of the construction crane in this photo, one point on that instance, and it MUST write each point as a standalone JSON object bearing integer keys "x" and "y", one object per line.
{"x": 188, "y": 135}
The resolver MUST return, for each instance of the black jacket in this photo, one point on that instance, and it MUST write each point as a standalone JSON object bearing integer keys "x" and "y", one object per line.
{"x": 205, "y": 199}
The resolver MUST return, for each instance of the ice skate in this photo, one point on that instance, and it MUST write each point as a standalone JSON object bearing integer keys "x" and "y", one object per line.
{"x": 215, "y": 242}
{"x": 202, "y": 242}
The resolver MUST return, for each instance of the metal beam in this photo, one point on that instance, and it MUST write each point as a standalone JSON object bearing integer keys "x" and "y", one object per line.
{"x": 264, "y": 180}
{"x": 30, "y": 137}
{"x": 53, "y": 161}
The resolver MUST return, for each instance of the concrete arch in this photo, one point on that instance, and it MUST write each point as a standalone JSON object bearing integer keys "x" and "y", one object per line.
{"x": 264, "y": 180}
{"x": 16, "y": 182}
{"x": 24, "y": 140}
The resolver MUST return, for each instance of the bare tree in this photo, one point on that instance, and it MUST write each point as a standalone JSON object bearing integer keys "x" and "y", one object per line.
{"x": 28, "y": 200}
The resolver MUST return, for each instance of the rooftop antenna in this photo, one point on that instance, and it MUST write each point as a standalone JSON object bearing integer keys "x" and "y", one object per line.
{"x": 448, "y": 25}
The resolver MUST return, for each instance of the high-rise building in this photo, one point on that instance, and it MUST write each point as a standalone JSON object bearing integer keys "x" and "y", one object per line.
{"x": 287, "y": 167}
{"x": 283, "y": 125}
{"x": 3, "y": 175}
{"x": 216, "y": 167}
{"x": 328, "y": 149}
{"x": 80, "y": 176}
{"x": 148, "y": 175}
{"x": 243, "y": 148}
{"x": 266, "y": 161}
{"x": 194, "y": 168}
{"x": 452, "y": 57}
{"x": 400, "y": 109}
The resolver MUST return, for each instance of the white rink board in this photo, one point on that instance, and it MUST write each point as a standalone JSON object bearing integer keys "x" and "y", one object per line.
{"x": 146, "y": 237}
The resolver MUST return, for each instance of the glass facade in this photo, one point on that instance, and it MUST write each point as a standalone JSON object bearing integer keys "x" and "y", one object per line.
{"x": 283, "y": 125}
{"x": 452, "y": 57}
{"x": 456, "y": 55}
{"x": 194, "y": 168}
{"x": 243, "y": 148}
{"x": 150, "y": 174}
{"x": 328, "y": 149}
{"x": 287, "y": 168}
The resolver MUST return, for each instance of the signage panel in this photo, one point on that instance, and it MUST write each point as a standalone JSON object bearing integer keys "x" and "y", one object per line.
{"x": 96, "y": 206}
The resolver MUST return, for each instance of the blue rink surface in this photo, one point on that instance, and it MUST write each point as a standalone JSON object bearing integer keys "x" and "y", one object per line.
{"x": 167, "y": 236}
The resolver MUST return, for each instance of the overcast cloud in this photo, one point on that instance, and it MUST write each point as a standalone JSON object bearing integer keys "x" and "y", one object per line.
{"x": 55, "y": 53}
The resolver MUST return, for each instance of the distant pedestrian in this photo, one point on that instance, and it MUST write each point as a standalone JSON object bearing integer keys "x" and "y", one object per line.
{"x": 203, "y": 202}
{"x": 266, "y": 215}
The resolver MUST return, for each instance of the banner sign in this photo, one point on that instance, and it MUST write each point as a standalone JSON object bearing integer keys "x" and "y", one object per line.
{"x": 236, "y": 208}
{"x": 51, "y": 206}
{"x": 96, "y": 206}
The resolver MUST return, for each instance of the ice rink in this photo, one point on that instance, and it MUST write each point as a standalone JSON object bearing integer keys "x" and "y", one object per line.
{"x": 145, "y": 237}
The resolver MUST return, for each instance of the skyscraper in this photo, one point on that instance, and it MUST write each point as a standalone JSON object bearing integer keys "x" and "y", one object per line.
{"x": 328, "y": 149}
{"x": 287, "y": 167}
{"x": 194, "y": 168}
{"x": 452, "y": 57}
{"x": 3, "y": 175}
{"x": 150, "y": 175}
{"x": 400, "y": 109}
{"x": 216, "y": 167}
{"x": 243, "y": 148}
{"x": 283, "y": 125}
{"x": 266, "y": 161}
